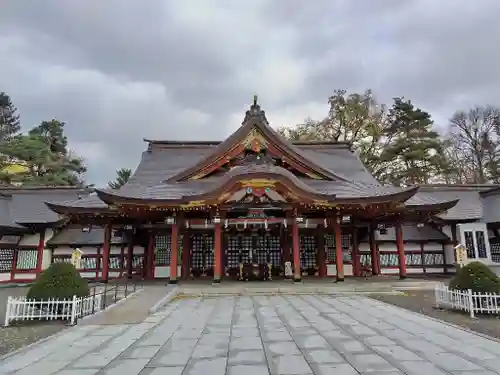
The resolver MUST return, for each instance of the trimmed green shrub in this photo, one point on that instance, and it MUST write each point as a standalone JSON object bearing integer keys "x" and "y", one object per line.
{"x": 60, "y": 281}
{"x": 476, "y": 276}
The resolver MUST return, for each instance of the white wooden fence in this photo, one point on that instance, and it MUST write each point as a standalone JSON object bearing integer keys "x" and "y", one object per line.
{"x": 466, "y": 300}
{"x": 20, "y": 308}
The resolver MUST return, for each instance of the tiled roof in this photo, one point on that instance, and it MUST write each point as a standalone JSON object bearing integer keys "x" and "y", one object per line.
{"x": 24, "y": 206}
{"x": 412, "y": 233}
{"x": 75, "y": 236}
{"x": 6, "y": 218}
{"x": 491, "y": 206}
{"x": 469, "y": 206}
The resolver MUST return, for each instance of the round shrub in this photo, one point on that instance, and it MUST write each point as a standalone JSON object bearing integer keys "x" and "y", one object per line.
{"x": 59, "y": 281}
{"x": 476, "y": 276}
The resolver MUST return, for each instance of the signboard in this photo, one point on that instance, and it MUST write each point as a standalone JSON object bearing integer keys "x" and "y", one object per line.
{"x": 76, "y": 258}
{"x": 461, "y": 255}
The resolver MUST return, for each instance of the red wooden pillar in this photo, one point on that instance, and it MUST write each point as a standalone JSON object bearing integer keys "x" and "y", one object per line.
{"x": 15, "y": 255}
{"x": 105, "y": 253}
{"x": 401, "y": 251}
{"x": 186, "y": 255}
{"x": 320, "y": 250}
{"x": 98, "y": 263}
{"x": 40, "y": 248}
{"x": 296, "y": 250}
{"x": 217, "y": 251}
{"x": 374, "y": 252}
{"x": 356, "y": 261}
{"x": 174, "y": 252}
{"x": 149, "y": 259}
{"x": 339, "y": 257}
{"x": 130, "y": 255}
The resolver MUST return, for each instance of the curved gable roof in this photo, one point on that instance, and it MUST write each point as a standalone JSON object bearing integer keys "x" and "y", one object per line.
{"x": 255, "y": 118}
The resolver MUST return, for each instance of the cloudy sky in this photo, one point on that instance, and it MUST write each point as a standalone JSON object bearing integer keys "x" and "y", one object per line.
{"x": 118, "y": 71}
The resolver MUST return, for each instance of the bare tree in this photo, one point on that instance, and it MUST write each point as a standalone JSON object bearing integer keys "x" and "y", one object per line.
{"x": 473, "y": 148}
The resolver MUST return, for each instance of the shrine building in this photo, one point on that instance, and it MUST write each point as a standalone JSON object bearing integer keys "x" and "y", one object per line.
{"x": 259, "y": 206}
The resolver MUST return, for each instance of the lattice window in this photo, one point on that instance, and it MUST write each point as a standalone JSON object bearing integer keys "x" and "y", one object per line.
{"x": 274, "y": 248}
{"x": 260, "y": 253}
{"x": 481, "y": 245}
{"x": 202, "y": 252}
{"x": 495, "y": 250}
{"x": 209, "y": 251}
{"x": 346, "y": 239}
{"x": 246, "y": 243}
{"x": 365, "y": 259}
{"x": 27, "y": 259}
{"x": 89, "y": 263}
{"x": 413, "y": 259}
{"x": 115, "y": 262}
{"x": 162, "y": 250}
{"x": 233, "y": 251}
{"x": 6, "y": 259}
{"x": 138, "y": 261}
{"x": 307, "y": 252}
{"x": 469, "y": 244}
{"x": 434, "y": 259}
{"x": 330, "y": 248}
{"x": 389, "y": 260}
{"x": 61, "y": 259}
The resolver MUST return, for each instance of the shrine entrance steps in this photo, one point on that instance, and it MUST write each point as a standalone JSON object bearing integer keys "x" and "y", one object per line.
{"x": 200, "y": 288}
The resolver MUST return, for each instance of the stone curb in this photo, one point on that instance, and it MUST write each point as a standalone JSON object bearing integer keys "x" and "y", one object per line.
{"x": 483, "y": 335}
{"x": 164, "y": 300}
{"x": 195, "y": 294}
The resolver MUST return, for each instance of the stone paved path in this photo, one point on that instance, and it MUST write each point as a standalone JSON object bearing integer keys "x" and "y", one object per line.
{"x": 132, "y": 310}
{"x": 279, "y": 335}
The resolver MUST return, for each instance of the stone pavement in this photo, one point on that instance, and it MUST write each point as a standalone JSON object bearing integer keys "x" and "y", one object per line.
{"x": 134, "y": 309}
{"x": 257, "y": 335}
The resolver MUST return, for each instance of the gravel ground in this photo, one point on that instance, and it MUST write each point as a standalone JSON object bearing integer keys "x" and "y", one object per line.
{"x": 422, "y": 301}
{"x": 15, "y": 337}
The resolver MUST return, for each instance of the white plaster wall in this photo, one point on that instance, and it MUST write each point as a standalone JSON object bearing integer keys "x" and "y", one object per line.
{"x": 496, "y": 268}
{"x": 66, "y": 250}
{"x": 331, "y": 270}
{"x": 25, "y": 276}
{"x": 164, "y": 271}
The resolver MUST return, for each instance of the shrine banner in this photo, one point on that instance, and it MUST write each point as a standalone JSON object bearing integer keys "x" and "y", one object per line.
{"x": 461, "y": 255}
{"x": 76, "y": 258}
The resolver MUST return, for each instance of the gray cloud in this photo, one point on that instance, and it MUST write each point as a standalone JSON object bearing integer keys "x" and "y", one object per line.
{"x": 121, "y": 70}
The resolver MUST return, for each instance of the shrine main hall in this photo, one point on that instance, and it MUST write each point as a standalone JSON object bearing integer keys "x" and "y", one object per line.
{"x": 259, "y": 206}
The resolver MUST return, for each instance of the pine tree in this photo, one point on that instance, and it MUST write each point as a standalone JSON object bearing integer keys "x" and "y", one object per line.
{"x": 44, "y": 151}
{"x": 9, "y": 119}
{"x": 414, "y": 152}
{"x": 122, "y": 176}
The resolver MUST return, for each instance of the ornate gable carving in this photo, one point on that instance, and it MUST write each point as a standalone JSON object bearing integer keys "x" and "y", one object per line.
{"x": 256, "y": 136}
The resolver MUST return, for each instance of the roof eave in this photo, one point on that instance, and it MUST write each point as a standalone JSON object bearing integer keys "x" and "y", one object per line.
{"x": 435, "y": 208}
{"x": 62, "y": 209}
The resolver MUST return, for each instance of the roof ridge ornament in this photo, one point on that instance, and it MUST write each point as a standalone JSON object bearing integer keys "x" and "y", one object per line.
{"x": 255, "y": 113}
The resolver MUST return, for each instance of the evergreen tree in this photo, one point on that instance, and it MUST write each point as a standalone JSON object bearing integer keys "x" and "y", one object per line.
{"x": 9, "y": 119}
{"x": 355, "y": 118}
{"x": 122, "y": 176}
{"x": 414, "y": 152}
{"x": 44, "y": 151}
